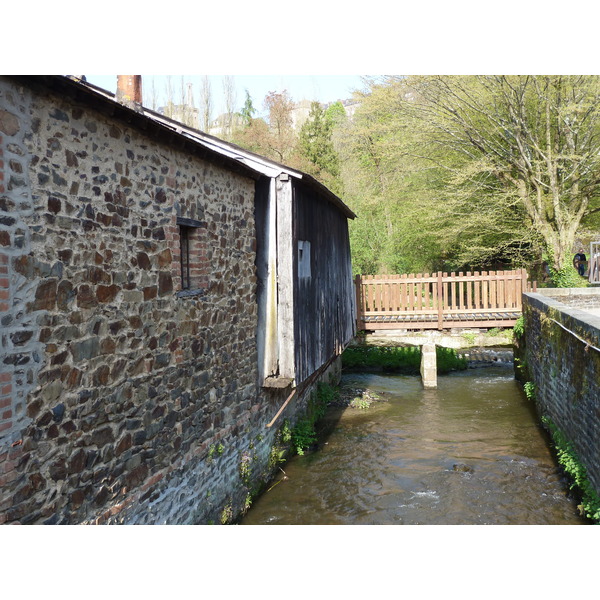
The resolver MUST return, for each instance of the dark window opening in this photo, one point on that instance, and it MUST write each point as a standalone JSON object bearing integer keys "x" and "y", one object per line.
{"x": 184, "y": 236}
{"x": 193, "y": 255}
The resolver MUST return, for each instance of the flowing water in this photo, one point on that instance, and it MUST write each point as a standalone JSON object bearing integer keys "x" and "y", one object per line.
{"x": 469, "y": 452}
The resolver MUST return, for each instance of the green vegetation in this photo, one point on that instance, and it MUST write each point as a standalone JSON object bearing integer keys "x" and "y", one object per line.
{"x": 360, "y": 403}
{"x": 276, "y": 456}
{"x": 469, "y": 337}
{"x": 399, "y": 360}
{"x": 472, "y": 172}
{"x": 529, "y": 389}
{"x": 304, "y": 434}
{"x": 246, "y": 468}
{"x": 567, "y": 277}
{"x": 519, "y": 328}
{"x": 567, "y": 458}
{"x": 226, "y": 514}
{"x": 217, "y": 449}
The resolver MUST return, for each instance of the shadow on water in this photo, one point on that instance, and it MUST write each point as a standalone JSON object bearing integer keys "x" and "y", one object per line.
{"x": 469, "y": 452}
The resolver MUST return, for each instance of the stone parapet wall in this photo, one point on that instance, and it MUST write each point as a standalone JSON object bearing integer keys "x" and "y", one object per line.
{"x": 115, "y": 388}
{"x": 575, "y": 297}
{"x": 562, "y": 354}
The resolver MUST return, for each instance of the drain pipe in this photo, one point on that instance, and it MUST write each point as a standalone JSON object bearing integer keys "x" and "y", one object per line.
{"x": 301, "y": 388}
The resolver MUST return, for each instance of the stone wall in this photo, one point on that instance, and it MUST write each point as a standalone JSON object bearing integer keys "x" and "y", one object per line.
{"x": 561, "y": 350}
{"x": 123, "y": 399}
{"x": 586, "y": 298}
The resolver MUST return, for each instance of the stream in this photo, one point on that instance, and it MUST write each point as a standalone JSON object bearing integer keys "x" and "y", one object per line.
{"x": 470, "y": 452}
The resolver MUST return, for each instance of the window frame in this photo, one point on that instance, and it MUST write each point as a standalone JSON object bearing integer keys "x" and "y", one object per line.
{"x": 186, "y": 251}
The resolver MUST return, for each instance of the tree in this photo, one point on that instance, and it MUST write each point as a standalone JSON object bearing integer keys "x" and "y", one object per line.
{"x": 248, "y": 110}
{"x": 530, "y": 143}
{"x": 205, "y": 103}
{"x": 315, "y": 144}
{"x": 282, "y": 139}
{"x": 385, "y": 186}
{"x": 230, "y": 102}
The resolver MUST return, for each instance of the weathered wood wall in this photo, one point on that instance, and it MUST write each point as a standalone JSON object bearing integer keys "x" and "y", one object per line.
{"x": 324, "y": 297}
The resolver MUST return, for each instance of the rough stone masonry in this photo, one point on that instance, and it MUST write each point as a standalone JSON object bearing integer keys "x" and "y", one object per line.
{"x": 561, "y": 352}
{"x": 121, "y": 399}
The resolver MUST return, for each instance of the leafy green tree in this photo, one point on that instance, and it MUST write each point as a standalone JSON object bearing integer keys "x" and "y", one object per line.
{"x": 248, "y": 110}
{"x": 473, "y": 171}
{"x": 315, "y": 144}
{"x": 530, "y": 146}
{"x": 386, "y": 187}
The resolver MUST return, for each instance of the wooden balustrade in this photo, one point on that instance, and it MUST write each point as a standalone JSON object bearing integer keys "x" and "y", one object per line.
{"x": 440, "y": 300}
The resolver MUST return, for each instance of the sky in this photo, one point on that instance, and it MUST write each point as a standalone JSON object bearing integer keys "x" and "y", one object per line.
{"x": 323, "y": 88}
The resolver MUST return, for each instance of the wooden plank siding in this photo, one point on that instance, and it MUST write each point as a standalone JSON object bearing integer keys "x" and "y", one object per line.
{"x": 440, "y": 301}
{"x": 324, "y": 296}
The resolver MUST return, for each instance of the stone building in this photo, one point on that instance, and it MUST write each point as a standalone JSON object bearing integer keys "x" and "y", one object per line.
{"x": 166, "y": 300}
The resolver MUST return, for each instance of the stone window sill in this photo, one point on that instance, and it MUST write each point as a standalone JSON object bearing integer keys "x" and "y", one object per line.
{"x": 189, "y": 293}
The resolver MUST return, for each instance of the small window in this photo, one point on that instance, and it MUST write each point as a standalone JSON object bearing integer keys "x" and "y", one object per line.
{"x": 184, "y": 237}
{"x": 193, "y": 257}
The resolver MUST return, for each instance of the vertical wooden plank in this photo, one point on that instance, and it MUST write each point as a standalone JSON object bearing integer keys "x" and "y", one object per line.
{"x": 493, "y": 289}
{"x": 396, "y": 294}
{"x": 477, "y": 291}
{"x": 403, "y": 298}
{"x": 507, "y": 289}
{"x": 452, "y": 291}
{"x": 439, "y": 300}
{"x": 427, "y": 301}
{"x": 420, "y": 293}
{"x": 461, "y": 291}
{"x": 359, "y": 301}
{"x": 510, "y": 290}
{"x": 499, "y": 289}
{"x": 523, "y": 286}
{"x": 411, "y": 293}
{"x": 484, "y": 290}
{"x": 373, "y": 289}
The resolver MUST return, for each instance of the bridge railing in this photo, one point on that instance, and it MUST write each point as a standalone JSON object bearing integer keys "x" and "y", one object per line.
{"x": 440, "y": 300}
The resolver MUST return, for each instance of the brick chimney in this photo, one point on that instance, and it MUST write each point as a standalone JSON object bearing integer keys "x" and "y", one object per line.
{"x": 129, "y": 90}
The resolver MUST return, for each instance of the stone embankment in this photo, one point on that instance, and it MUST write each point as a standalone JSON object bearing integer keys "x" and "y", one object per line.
{"x": 559, "y": 356}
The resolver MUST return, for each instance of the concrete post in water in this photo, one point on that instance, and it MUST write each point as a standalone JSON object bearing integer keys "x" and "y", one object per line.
{"x": 428, "y": 366}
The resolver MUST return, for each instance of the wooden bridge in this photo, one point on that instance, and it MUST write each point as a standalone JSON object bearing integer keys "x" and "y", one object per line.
{"x": 440, "y": 300}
